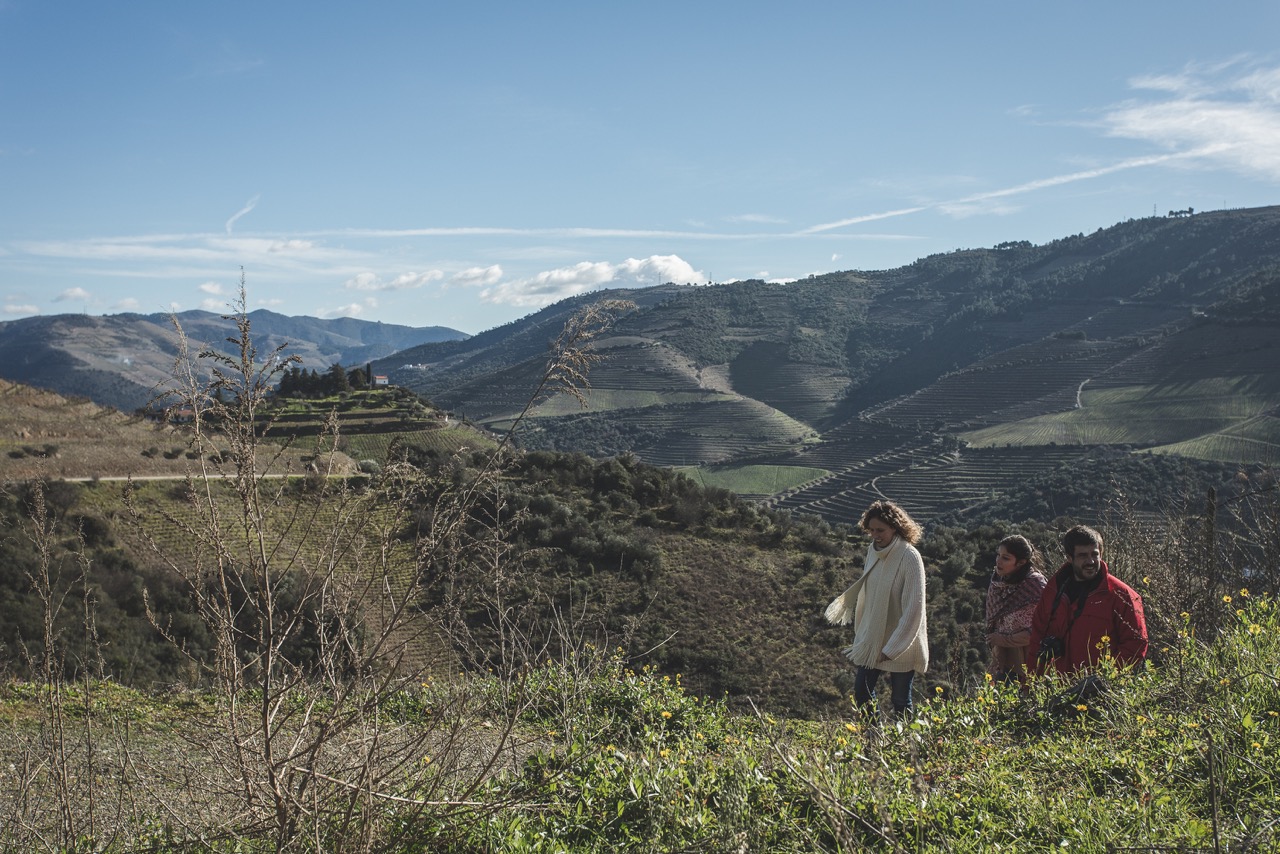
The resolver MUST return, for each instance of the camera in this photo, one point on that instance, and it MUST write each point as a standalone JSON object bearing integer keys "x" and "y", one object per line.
{"x": 1052, "y": 647}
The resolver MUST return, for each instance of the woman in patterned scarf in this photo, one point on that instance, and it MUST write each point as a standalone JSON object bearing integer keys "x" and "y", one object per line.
{"x": 1012, "y": 596}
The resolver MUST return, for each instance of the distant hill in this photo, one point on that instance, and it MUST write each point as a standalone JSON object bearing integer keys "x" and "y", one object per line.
{"x": 883, "y": 382}
{"x": 118, "y": 360}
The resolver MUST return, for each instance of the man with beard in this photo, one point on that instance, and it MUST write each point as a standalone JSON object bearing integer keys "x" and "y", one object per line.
{"x": 1086, "y": 612}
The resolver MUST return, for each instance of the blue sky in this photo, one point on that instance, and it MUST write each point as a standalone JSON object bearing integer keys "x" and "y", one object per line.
{"x": 464, "y": 164}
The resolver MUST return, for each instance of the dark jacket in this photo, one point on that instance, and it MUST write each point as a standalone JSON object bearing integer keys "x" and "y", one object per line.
{"x": 1111, "y": 609}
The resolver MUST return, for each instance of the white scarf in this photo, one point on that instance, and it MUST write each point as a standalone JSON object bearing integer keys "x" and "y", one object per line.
{"x": 888, "y": 616}
{"x": 841, "y": 610}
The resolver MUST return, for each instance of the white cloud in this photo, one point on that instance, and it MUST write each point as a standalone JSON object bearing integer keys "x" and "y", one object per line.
{"x": 24, "y": 309}
{"x": 657, "y": 269}
{"x": 554, "y": 285}
{"x": 1211, "y": 122}
{"x": 271, "y": 302}
{"x": 126, "y": 304}
{"x": 354, "y": 309}
{"x": 212, "y": 288}
{"x": 215, "y": 305}
{"x": 473, "y": 277}
{"x": 73, "y": 294}
{"x": 405, "y": 281}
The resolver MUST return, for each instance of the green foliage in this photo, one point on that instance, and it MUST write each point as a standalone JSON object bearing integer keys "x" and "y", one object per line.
{"x": 1179, "y": 754}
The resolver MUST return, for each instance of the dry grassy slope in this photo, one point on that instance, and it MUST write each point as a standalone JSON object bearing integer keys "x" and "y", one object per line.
{"x": 95, "y": 441}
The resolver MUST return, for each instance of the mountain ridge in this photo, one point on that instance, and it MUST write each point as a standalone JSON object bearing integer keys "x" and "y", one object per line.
{"x": 119, "y": 360}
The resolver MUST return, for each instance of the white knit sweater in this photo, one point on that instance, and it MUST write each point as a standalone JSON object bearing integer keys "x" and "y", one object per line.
{"x": 886, "y": 608}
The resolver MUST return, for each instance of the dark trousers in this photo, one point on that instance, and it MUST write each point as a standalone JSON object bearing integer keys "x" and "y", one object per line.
{"x": 864, "y": 689}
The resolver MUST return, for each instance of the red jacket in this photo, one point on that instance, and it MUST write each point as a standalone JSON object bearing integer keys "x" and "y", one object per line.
{"x": 1112, "y": 609}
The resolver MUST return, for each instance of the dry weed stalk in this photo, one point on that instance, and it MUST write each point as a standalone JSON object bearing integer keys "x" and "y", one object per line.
{"x": 313, "y": 601}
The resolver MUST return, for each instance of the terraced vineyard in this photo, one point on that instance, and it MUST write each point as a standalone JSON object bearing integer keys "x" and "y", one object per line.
{"x": 439, "y": 440}
{"x": 927, "y": 484}
{"x": 1252, "y": 439}
{"x": 1035, "y": 378}
{"x": 1146, "y": 416}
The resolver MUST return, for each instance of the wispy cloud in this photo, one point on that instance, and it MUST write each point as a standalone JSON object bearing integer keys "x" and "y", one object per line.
{"x": 214, "y": 288}
{"x": 554, "y": 285}
{"x": 404, "y": 281}
{"x": 248, "y": 206}
{"x": 757, "y": 218}
{"x": 20, "y": 309}
{"x": 126, "y": 304}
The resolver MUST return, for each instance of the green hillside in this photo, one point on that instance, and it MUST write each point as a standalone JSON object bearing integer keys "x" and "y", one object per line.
{"x": 1149, "y": 416}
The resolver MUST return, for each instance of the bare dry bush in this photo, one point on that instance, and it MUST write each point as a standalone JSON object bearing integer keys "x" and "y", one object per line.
{"x": 1185, "y": 559}
{"x": 333, "y": 730}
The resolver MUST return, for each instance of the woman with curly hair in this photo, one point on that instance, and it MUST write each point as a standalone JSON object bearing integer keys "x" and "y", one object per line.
{"x": 886, "y": 606}
{"x": 1012, "y": 597}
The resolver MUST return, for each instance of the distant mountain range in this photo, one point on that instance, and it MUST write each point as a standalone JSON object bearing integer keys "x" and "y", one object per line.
{"x": 948, "y": 381}
{"x": 118, "y": 360}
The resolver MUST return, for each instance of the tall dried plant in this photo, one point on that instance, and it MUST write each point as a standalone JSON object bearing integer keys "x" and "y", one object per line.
{"x": 307, "y": 751}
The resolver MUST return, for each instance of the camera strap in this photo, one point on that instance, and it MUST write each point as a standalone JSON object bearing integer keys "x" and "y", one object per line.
{"x": 1084, "y": 597}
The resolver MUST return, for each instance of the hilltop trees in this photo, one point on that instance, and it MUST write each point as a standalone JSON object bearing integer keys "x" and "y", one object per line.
{"x": 299, "y": 382}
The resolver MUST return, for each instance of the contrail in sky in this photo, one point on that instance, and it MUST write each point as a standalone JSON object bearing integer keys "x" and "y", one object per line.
{"x": 248, "y": 206}
{"x": 1028, "y": 187}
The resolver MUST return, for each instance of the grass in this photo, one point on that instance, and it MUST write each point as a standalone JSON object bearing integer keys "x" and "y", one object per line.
{"x": 1180, "y": 754}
